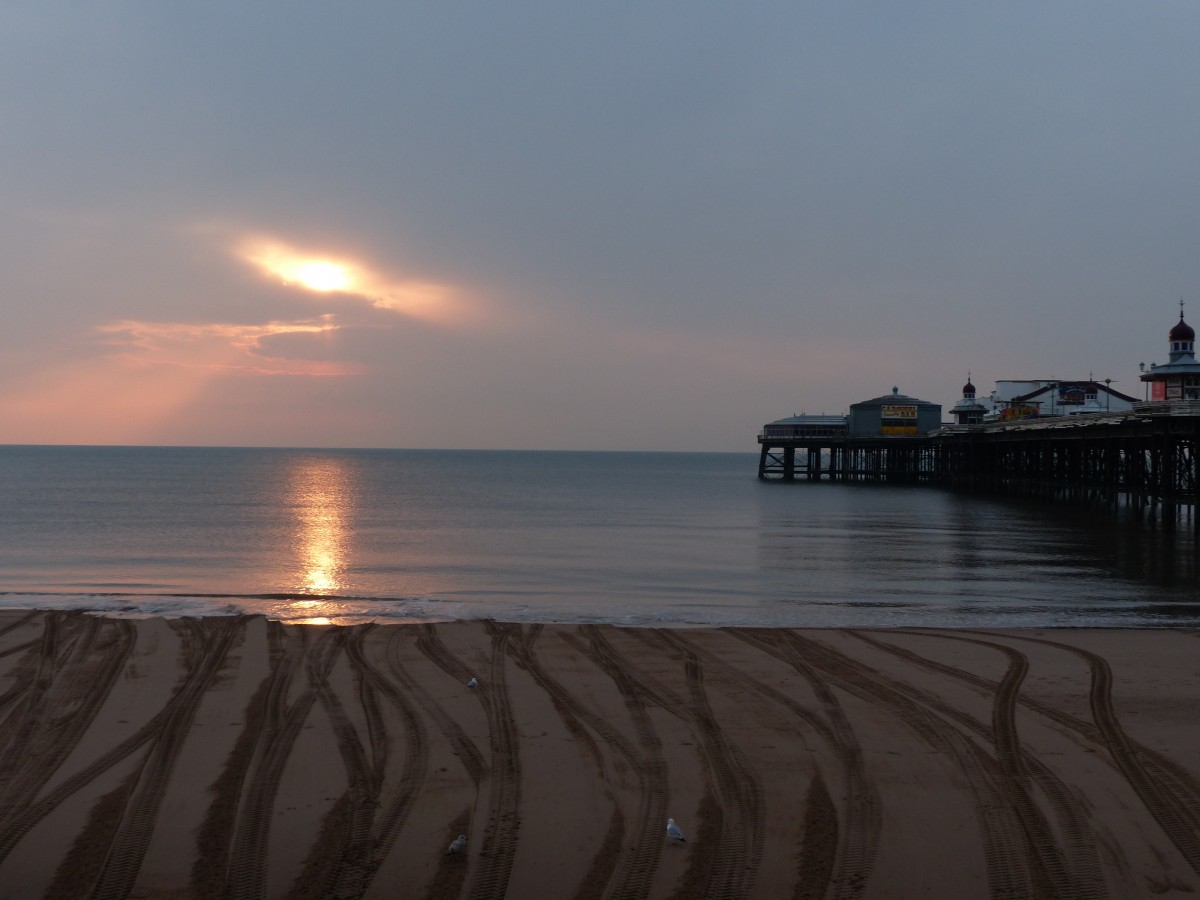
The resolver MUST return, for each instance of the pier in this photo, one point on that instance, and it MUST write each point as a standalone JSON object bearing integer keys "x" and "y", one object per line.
{"x": 1146, "y": 458}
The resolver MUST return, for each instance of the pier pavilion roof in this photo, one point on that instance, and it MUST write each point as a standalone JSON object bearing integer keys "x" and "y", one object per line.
{"x": 895, "y": 398}
{"x": 1185, "y": 366}
{"x": 810, "y": 420}
{"x": 1063, "y": 388}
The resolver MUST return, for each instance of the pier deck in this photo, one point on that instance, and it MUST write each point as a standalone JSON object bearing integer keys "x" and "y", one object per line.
{"x": 1146, "y": 457}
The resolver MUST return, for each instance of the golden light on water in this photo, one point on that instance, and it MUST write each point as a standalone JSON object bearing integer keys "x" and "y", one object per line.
{"x": 321, "y": 501}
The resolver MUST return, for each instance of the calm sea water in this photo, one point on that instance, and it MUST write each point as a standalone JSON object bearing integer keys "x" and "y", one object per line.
{"x": 347, "y": 536}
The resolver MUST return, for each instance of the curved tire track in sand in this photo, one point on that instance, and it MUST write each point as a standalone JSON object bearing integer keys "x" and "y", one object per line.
{"x": 858, "y": 836}
{"x": 74, "y": 676}
{"x": 1032, "y": 821}
{"x": 206, "y": 656}
{"x": 345, "y": 849}
{"x": 650, "y": 768}
{"x": 1082, "y": 855}
{"x": 416, "y": 751}
{"x": 500, "y": 839}
{"x": 578, "y": 719}
{"x": 499, "y": 844}
{"x": 1011, "y": 866}
{"x": 735, "y": 861}
{"x": 1168, "y": 798}
{"x": 723, "y": 859}
{"x": 817, "y": 855}
{"x": 465, "y": 749}
{"x": 1170, "y": 793}
{"x": 246, "y": 879}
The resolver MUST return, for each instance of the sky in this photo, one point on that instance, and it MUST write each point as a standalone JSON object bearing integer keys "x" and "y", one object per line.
{"x": 555, "y": 225}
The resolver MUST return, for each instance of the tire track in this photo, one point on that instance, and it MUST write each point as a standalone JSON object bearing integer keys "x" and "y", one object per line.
{"x": 1165, "y": 796}
{"x": 858, "y": 841}
{"x": 1174, "y": 779}
{"x": 578, "y": 720}
{"x": 74, "y": 676}
{"x": 25, "y": 717}
{"x": 345, "y": 849}
{"x": 500, "y": 839}
{"x": 416, "y": 751}
{"x": 1012, "y": 868}
{"x": 819, "y": 849}
{"x": 246, "y": 879}
{"x": 133, "y": 836}
{"x": 48, "y": 693}
{"x": 735, "y": 862}
{"x": 649, "y": 766}
{"x": 498, "y": 846}
{"x": 464, "y": 748}
{"x": 1082, "y": 856}
{"x": 499, "y": 843}
{"x": 24, "y": 673}
{"x": 23, "y": 620}
{"x": 452, "y": 871}
{"x": 861, "y": 808}
{"x": 211, "y": 865}
{"x": 726, "y": 864}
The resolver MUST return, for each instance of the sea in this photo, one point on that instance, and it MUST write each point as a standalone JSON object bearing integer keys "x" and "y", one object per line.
{"x": 352, "y": 536}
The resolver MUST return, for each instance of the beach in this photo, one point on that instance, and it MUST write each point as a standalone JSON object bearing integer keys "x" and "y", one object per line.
{"x": 235, "y": 756}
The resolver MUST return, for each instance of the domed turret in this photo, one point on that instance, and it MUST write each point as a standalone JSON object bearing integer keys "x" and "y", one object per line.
{"x": 1179, "y": 378}
{"x": 968, "y": 410}
{"x": 1182, "y": 338}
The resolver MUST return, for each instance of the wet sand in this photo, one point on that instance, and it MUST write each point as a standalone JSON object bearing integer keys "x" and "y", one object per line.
{"x": 237, "y": 757}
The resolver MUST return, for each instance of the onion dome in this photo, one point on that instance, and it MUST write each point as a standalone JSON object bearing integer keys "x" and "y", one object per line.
{"x": 1182, "y": 331}
{"x": 968, "y": 388}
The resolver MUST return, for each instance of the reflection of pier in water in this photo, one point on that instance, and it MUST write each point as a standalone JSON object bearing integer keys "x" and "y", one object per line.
{"x": 1146, "y": 459}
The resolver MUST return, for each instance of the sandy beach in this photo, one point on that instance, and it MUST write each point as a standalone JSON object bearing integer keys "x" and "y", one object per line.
{"x": 243, "y": 758}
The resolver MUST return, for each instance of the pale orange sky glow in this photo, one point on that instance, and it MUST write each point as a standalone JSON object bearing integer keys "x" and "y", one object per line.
{"x": 220, "y": 347}
{"x": 152, "y": 373}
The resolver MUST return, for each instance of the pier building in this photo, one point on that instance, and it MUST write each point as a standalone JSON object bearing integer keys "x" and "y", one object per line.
{"x": 1076, "y": 447}
{"x": 1179, "y": 377}
{"x": 895, "y": 415}
{"x": 802, "y": 426}
{"x": 1023, "y": 399}
{"x": 1072, "y": 398}
{"x": 968, "y": 410}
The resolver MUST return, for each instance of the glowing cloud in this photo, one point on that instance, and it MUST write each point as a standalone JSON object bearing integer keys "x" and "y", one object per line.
{"x": 325, "y": 273}
{"x": 149, "y": 375}
{"x": 219, "y": 346}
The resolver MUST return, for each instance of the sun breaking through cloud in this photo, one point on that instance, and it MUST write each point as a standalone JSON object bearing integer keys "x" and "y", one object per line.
{"x": 325, "y": 273}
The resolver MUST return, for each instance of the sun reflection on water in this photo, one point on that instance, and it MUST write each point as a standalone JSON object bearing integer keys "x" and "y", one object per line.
{"x": 321, "y": 502}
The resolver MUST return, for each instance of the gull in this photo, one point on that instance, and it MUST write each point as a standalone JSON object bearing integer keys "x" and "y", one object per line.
{"x": 673, "y": 831}
{"x": 474, "y": 682}
{"x": 458, "y": 845}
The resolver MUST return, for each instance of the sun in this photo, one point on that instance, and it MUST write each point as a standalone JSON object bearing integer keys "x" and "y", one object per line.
{"x": 320, "y": 275}
{"x": 324, "y": 271}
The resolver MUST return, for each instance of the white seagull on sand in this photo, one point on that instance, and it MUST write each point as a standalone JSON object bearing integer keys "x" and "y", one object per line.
{"x": 458, "y": 845}
{"x": 674, "y": 831}
{"x": 474, "y": 682}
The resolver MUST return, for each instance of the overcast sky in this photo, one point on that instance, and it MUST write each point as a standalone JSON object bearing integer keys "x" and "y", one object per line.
{"x": 555, "y": 225}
